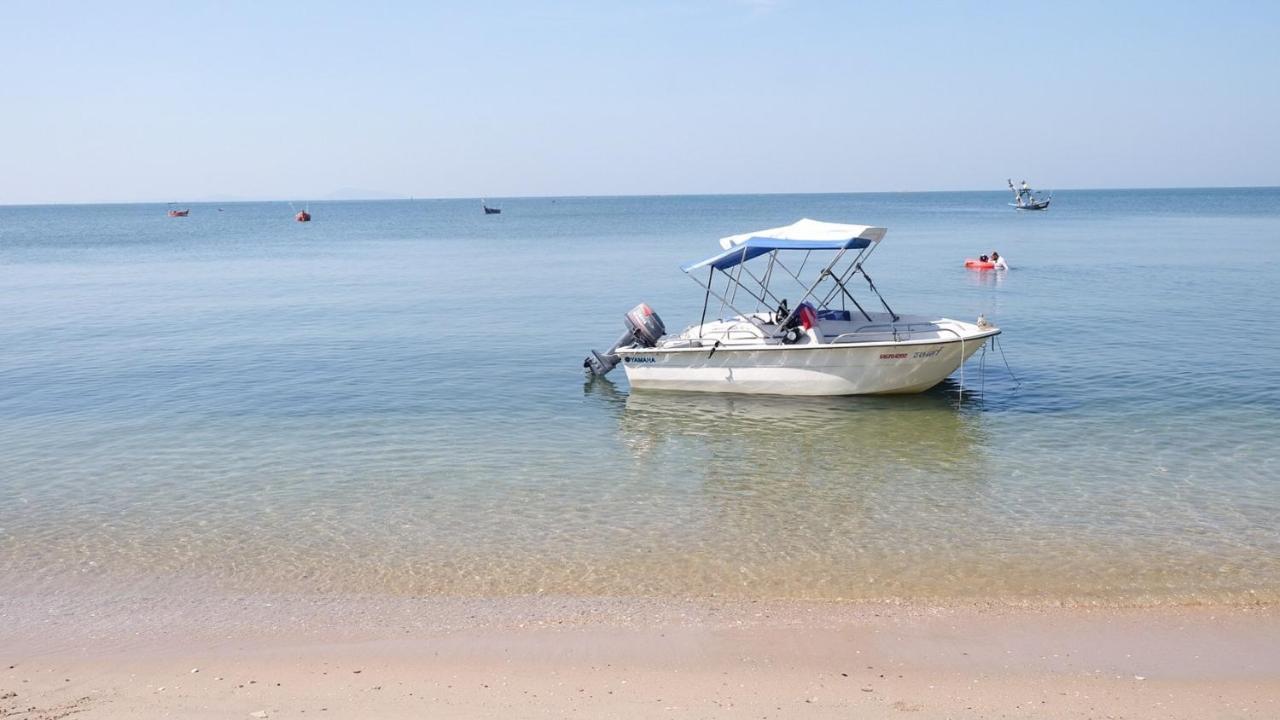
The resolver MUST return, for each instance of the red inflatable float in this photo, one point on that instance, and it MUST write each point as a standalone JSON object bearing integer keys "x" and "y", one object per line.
{"x": 979, "y": 264}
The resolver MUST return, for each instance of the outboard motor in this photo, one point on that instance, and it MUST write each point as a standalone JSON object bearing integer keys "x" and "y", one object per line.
{"x": 644, "y": 328}
{"x": 802, "y": 322}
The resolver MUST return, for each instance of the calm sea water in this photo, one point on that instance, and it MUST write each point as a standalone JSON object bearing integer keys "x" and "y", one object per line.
{"x": 389, "y": 400}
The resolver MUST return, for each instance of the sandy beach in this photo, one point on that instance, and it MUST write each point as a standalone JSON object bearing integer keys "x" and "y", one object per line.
{"x": 289, "y": 657}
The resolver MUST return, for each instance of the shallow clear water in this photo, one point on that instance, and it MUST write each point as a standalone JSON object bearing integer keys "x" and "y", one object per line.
{"x": 389, "y": 400}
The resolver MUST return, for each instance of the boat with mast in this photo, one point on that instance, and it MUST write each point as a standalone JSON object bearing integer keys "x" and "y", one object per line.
{"x": 1024, "y": 198}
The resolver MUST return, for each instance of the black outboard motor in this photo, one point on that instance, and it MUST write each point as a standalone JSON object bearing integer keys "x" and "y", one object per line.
{"x": 644, "y": 328}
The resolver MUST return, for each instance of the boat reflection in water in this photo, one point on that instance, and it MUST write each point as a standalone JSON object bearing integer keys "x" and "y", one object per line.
{"x": 863, "y": 497}
{"x": 837, "y": 435}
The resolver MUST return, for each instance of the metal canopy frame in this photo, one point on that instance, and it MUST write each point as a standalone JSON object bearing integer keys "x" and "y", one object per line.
{"x": 762, "y": 293}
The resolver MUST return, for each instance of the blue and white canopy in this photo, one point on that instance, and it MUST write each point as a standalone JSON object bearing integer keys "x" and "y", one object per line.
{"x": 804, "y": 234}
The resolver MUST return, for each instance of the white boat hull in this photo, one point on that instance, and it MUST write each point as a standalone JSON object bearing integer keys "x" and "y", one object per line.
{"x": 834, "y": 369}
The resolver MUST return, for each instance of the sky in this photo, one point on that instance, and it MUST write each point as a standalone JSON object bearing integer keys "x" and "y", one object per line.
{"x": 133, "y": 102}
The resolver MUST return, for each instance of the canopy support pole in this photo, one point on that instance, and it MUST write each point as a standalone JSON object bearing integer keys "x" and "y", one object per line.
{"x": 764, "y": 287}
{"x": 852, "y": 299}
{"x": 706, "y": 298}
{"x": 768, "y": 273}
{"x": 737, "y": 276}
{"x": 821, "y": 276}
{"x": 725, "y": 302}
{"x": 892, "y": 314}
{"x": 844, "y": 276}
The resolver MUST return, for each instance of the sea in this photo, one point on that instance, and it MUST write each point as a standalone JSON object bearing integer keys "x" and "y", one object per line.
{"x": 390, "y": 401}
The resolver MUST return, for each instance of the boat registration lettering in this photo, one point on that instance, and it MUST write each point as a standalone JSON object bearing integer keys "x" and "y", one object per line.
{"x": 641, "y": 359}
{"x": 918, "y": 355}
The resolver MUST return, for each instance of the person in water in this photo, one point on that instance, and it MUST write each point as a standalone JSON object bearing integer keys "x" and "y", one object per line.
{"x": 998, "y": 261}
{"x": 983, "y": 258}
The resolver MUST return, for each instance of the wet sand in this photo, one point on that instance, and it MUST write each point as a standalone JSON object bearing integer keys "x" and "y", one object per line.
{"x": 290, "y": 657}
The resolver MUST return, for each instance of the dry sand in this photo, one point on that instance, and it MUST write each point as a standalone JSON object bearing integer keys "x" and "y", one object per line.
{"x": 514, "y": 658}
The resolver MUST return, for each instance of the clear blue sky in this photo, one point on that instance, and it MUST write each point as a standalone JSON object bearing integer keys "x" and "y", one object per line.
{"x": 184, "y": 101}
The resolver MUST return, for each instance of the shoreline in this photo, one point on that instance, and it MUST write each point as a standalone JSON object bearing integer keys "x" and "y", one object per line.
{"x": 517, "y": 657}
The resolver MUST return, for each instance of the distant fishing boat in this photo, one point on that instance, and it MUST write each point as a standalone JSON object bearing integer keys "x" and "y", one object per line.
{"x": 302, "y": 216}
{"x": 490, "y": 210}
{"x": 179, "y": 213}
{"x": 1024, "y": 198}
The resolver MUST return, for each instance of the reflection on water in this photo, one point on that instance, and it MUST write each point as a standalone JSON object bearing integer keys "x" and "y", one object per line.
{"x": 808, "y": 496}
{"x": 776, "y": 433}
{"x": 924, "y": 496}
{"x": 985, "y": 278}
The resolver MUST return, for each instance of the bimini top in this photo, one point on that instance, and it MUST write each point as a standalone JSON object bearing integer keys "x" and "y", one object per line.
{"x": 804, "y": 234}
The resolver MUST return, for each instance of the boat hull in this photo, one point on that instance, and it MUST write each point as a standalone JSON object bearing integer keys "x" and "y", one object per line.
{"x": 1038, "y": 205}
{"x": 836, "y": 369}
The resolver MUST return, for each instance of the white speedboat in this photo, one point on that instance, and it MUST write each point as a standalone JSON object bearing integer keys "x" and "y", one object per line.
{"x": 827, "y": 343}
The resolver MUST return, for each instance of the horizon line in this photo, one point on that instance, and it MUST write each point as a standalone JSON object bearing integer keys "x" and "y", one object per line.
{"x": 619, "y": 196}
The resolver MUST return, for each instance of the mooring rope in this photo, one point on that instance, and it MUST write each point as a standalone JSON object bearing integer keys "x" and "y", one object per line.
{"x": 1000, "y": 347}
{"x": 982, "y": 373}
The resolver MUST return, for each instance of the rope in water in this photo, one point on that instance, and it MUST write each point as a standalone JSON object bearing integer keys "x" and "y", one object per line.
{"x": 1000, "y": 347}
{"x": 982, "y": 373}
